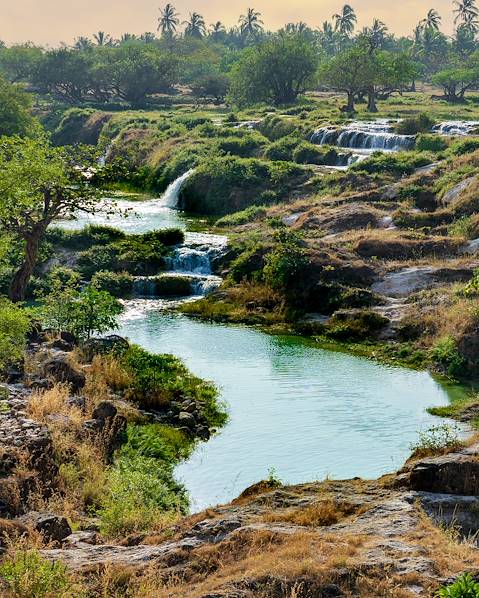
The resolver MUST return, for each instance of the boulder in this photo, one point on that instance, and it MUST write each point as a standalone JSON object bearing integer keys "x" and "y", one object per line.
{"x": 53, "y": 527}
{"x": 455, "y": 473}
{"x": 186, "y": 420}
{"x": 100, "y": 346}
{"x": 104, "y": 410}
{"x": 60, "y": 370}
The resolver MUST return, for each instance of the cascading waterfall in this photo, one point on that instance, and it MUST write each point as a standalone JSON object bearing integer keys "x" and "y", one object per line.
{"x": 456, "y": 127}
{"x": 171, "y": 196}
{"x": 365, "y": 136}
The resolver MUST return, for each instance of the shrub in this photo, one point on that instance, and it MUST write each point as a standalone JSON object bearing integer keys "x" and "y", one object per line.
{"x": 29, "y": 575}
{"x": 363, "y": 325}
{"x": 244, "y": 147}
{"x": 97, "y": 258}
{"x": 447, "y": 357}
{"x": 464, "y": 227}
{"x": 83, "y": 239}
{"x": 15, "y": 322}
{"x": 437, "y": 439}
{"x": 118, "y": 284}
{"x": 248, "y": 215}
{"x": 282, "y": 149}
{"x": 430, "y": 143}
{"x": 464, "y": 146}
{"x": 395, "y": 163}
{"x": 273, "y": 127}
{"x": 286, "y": 262}
{"x": 415, "y": 124}
{"x": 465, "y": 586}
{"x": 142, "y": 490}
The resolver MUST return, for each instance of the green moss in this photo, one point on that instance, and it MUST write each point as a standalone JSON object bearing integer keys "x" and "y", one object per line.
{"x": 399, "y": 163}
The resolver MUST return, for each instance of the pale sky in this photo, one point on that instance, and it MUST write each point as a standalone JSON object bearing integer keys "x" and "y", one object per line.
{"x": 53, "y": 21}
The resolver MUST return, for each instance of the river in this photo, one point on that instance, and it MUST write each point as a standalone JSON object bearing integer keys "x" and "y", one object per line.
{"x": 294, "y": 408}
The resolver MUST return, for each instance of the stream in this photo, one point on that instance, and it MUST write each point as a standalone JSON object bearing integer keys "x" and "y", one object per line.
{"x": 295, "y": 409}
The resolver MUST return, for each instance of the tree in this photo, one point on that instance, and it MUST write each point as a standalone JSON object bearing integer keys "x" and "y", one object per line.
{"x": 431, "y": 21}
{"x": 375, "y": 34}
{"x": 195, "y": 26}
{"x": 276, "y": 71}
{"x": 345, "y": 21}
{"x": 81, "y": 312}
{"x": 15, "y": 116}
{"x": 212, "y": 85}
{"x": 19, "y": 62}
{"x": 83, "y": 43}
{"x": 66, "y": 74}
{"x": 168, "y": 20}
{"x": 467, "y": 14}
{"x": 217, "y": 32}
{"x": 251, "y": 23}
{"x": 38, "y": 183}
{"x": 455, "y": 82}
{"x": 346, "y": 73}
{"x": 102, "y": 39}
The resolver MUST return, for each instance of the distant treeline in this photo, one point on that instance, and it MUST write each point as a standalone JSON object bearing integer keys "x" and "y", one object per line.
{"x": 248, "y": 64}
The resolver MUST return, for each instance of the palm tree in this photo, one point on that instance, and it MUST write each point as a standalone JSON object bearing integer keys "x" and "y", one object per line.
{"x": 102, "y": 39}
{"x": 467, "y": 14}
{"x": 431, "y": 21}
{"x": 83, "y": 43}
{"x": 168, "y": 20}
{"x": 148, "y": 37}
{"x": 195, "y": 26}
{"x": 217, "y": 31}
{"x": 300, "y": 28}
{"x": 127, "y": 37}
{"x": 345, "y": 20}
{"x": 251, "y": 23}
{"x": 376, "y": 33}
{"x": 328, "y": 38}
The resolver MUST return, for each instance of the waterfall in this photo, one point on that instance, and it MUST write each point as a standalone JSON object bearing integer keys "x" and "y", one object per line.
{"x": 172, "y": 194}
{"x": 144, "y": 286}
{"x": 456, "y": 127}
{"x": 371, "y": 136}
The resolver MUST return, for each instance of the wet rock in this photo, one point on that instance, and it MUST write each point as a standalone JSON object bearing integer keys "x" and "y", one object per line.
{"x": 60, "y": 369}
{"x": 203, "y": 432}
{"x": 53, "y": 527}
{"x": 186, "y": 420}
{"x": 104, "y": 410}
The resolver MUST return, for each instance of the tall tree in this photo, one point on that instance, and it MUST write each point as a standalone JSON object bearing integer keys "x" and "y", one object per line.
{"x": 346, "y": 20}
{"x": 467, "y": 14}
{"x": 251, "y": 23}
{"x": 431, "y": 21}
{"x": 102, "y": 39}
{"x": 217, "y": 32}
{"x": 168, "y": 20}
{"x": 195, "y": 26}
{"x": 38, "y": 184}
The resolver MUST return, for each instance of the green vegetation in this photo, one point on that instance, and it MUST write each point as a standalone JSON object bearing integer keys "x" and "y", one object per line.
{"x": 15, "y": 323}
{"x": 465, "y": 586}
{"x": 442, "y": 438}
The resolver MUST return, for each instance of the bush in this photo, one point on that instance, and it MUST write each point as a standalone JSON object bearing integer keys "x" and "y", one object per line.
{"x": 395, "y": 163}
{"x": 415, "y": 124}
{"x": 244, "y": 147}
{"x": 363, "y": 325}
{"x": 273, "y": 127}
{"x": 286, "y": 262}
{"x": 430, "y": 143}
{"x": 118, "y": 284}
{"x": 248, "y": 215}
{"x": 29, "y": 575}
{"x": 83, "y": 239}
{"x": 15, "y": 323}
{"x": 436, "y": 440}
{"x": 96, "y": 259}
{"x": 464, "y": 146}
{"x": 282, "y": 149}
{"x": 447, "y": 357}
{"x": 465, "y": 586}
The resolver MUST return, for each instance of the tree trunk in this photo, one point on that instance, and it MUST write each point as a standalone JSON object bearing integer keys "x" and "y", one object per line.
{"x": 22, "y": 277}
{"x": 372, "y": 100}
{"x": 350, "y": 104}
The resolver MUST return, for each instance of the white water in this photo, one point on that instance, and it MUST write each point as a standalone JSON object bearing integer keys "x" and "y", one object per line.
{"x": 456, "y": 127}
{"x": 171, "y": 196}
{"x": 366, "y": 136}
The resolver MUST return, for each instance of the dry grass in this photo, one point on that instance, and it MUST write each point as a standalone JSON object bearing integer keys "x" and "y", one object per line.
{"x": 323, "y": 513}
{"x": 52, "y": 403}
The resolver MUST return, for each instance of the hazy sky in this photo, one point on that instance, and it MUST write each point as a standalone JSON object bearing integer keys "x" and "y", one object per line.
{"x": 52, "y": 21}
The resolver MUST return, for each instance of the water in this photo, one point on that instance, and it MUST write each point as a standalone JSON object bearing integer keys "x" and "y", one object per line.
{"x": 366, "y": 136}
{"x": 172, "y": 194}
{"x": 306, "y": 412}
{"x": 456, "y": 127}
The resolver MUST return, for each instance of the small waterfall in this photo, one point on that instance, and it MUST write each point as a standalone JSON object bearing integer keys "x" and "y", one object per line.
{"x": 172, "y": 194}
{"x": 371, "y": 136}
{"x": 144, "y": 286}
{"x": 456, "y": 127}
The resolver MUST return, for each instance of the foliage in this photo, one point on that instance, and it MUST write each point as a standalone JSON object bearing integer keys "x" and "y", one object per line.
{"x": 422, "y": 123}
{"x": 29, "y": 575}
{"x": 81, "y": 312}
{"x": 118, "y": 284}
{"x": 430, "y": 143}
{"x": 15, "y": 322}
{"x": 283, "y": 149}
{"x": 465, "y": 586}
{"x": 396, "y": 163}
{"x": 437, "y": 439}
{"x": 15, "y": 116}
{"x": 286, "y": 262}
{"x": 248, "y": 215}
{"x": 276, "y": 71}
{"x": 446, "y": 355}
